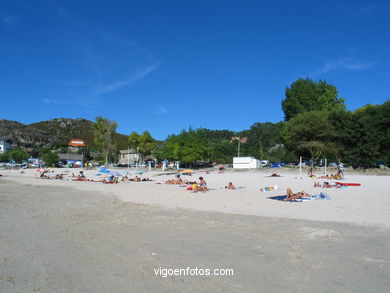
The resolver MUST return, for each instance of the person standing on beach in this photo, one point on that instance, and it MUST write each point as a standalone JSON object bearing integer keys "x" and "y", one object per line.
{"x": 341, "y": 169}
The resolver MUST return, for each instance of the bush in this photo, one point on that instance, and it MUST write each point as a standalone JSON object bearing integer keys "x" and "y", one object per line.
{"x": 50, "y": 158}
{"x": 18, "y": 155}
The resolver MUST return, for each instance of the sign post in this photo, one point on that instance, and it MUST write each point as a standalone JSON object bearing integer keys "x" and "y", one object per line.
{"x": 300, "y": 167}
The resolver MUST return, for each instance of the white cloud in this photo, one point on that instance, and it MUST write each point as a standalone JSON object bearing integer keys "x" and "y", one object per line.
{"x": 347, "y": 63}
{"x": 161, "y": 110}
{"x": 360, "y": 66}
{"x": 8, "y": 19}
{"x": 131, "y": 79}
{"x": 65, "y": 102}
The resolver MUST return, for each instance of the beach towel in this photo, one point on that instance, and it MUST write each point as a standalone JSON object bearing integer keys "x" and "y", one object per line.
{"x": 237, "y": 188}
{"x": 348, "y": 184}
{"x": 321, "y": 196}
{"x": 269, "y": 188}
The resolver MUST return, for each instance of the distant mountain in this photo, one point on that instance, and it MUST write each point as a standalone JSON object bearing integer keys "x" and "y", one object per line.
{"x": 52, "y": 133}
{"x": 64, "y": 129}
{"x": 24, "y": 135}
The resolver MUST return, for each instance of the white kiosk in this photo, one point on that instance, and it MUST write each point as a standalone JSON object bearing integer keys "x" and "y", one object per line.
{"x": 246, "y": 163}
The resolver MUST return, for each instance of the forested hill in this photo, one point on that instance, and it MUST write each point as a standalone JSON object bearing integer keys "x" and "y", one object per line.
{"x": 53, "y": 133}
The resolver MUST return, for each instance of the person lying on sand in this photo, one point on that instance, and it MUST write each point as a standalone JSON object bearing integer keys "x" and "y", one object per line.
{"x": 337, "y": 176}
{"x": 274, "y": 175}
{"x": 230, "y": 186}
{"x": 44, "y": 176}
{"x": 59, "y": 176}
{"x": 178, "y": 180}
{"x": 110, "y": 180}
{"x": 298, "y": 195}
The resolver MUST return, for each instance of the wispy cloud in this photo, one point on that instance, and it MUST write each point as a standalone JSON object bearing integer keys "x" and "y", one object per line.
{"x": 360, "y": 66}
{"x": 105, "y": 62}
{"x": 61, "y": 11}
{"x": 113, "y": 86}
{"x": 347, "y": 63}
{"x": 365, "y": 9}
{"x": 9, "y": 19}
{"x": 50, "y": 101}
{"x": 161, "y": 110}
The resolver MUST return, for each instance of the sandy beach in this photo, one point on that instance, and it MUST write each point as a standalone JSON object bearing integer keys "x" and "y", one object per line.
{"x": 67, "y": 236}
{"x": 367, "y": 204}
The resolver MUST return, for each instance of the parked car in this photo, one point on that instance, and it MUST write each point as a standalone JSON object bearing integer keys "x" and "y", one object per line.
{"x": 277, "y": 164}
{"x": 264, "y": 163}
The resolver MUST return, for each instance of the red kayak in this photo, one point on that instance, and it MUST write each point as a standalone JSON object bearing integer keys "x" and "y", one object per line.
{"x": 348, "y": 184}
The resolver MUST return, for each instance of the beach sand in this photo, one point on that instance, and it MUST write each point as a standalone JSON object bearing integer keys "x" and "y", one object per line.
{"x": 368, "y": 204}
{"x": 65, "y": 236}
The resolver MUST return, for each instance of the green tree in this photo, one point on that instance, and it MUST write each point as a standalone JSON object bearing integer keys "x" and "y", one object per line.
{"x": 145, "y": 143}
{"x": 18, "y": 155}
{"x": 50, "y": 158}
{"x": 307, "y": 95}
{"x": 313, "y": 134}
{"x": 189, "y": 146}
{"x": 104, "y": 131}
{"x": 43, "y": 150}
{"x": 263, "y": 138}
{"x": 368, "y": 135}
{"x": 4, "y": 157}
{"x": 134, "y": 140}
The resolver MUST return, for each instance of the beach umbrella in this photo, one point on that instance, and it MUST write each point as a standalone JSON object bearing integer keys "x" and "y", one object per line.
{"x": 114, "y": 173}
{"x": 104, "y": 170}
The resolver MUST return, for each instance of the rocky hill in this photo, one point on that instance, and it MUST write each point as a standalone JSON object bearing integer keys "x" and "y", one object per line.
{"x": 24, "y": 135}
{"x": 52, "y": 133}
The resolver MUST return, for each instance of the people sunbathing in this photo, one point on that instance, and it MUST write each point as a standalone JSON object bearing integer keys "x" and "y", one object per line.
{"x": 44, "y": 176}
{"x": 337, "y": 176}
{"x": 230, "y": 186}
{"x": 292, "y": 196}
{"x": 110, "y": 180}
{"x": 202, "y": 186}
{"x": 59, "y": 176}
{"x": 177, "y": 180}
{"x": 80, "y": 178}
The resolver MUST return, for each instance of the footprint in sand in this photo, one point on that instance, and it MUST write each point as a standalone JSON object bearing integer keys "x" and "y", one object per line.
{"x": 314, "y": 233}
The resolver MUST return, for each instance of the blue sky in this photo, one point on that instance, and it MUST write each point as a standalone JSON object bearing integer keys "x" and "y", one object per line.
{"x": 166, "y": 65}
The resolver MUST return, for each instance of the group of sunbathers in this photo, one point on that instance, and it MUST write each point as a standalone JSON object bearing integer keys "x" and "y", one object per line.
{"x": 81, "y": 177}
{"x": 327, "y": 184}
{"x": 191, "y": 185}
{"x": 201, "y": 186}
{"x": 337, "y": 176}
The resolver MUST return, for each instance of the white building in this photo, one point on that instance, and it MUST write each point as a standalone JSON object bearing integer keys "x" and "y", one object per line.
{"x": 4, "y": 146}
{"x": 246, "y": 163}
{"x": 128, "y": 156}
